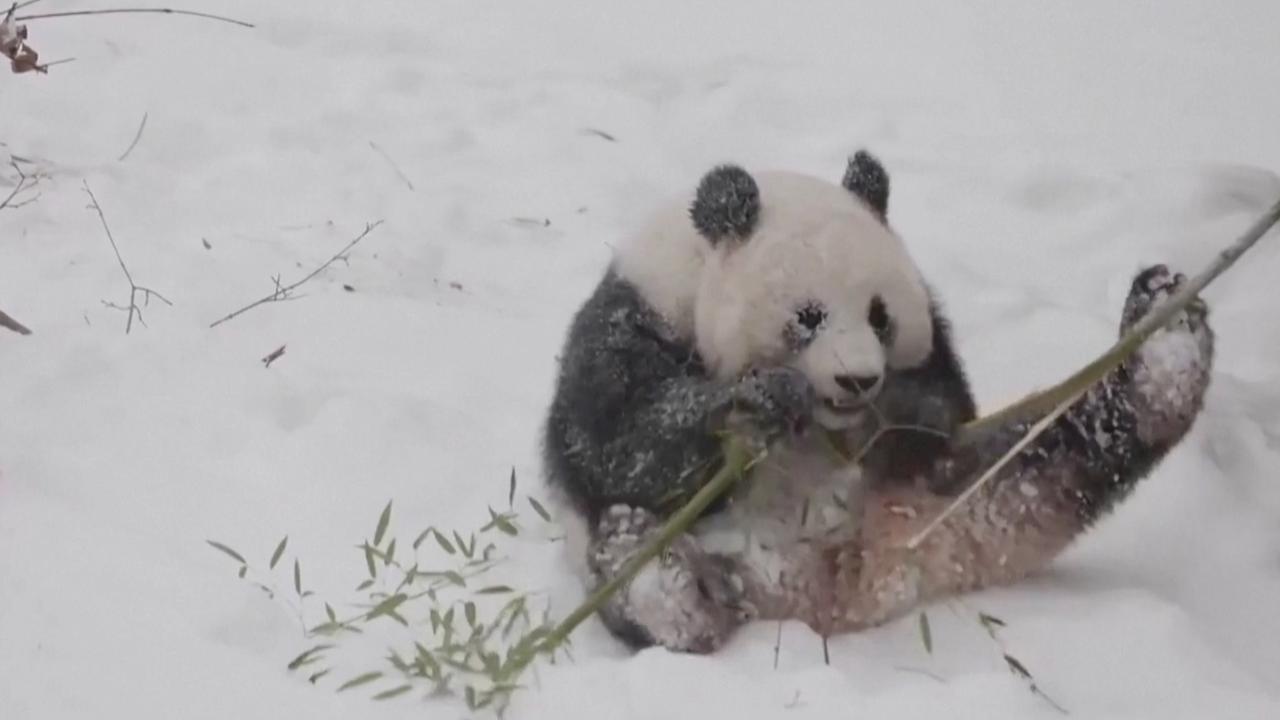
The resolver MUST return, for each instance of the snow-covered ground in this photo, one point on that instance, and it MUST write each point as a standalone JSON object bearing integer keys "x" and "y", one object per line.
{"x": 1041, "y": 152}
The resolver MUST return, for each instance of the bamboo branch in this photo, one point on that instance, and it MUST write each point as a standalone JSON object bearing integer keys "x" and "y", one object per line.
{"x": 1043, "y": 401}
{"x": 134, "y": 288}
{"x": 737, "y": 459}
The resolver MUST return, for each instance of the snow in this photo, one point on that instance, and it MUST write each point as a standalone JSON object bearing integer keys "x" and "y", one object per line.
{"x": 1040, "y": 153}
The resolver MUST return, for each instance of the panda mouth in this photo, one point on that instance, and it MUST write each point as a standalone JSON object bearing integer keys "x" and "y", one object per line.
{"x": 846, "y": 406}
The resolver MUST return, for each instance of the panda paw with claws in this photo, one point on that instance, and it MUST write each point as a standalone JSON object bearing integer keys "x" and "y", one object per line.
{"x": 770, "y": 403}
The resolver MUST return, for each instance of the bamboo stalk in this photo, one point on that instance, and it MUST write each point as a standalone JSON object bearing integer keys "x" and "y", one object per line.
{"x": 1043, "y": 401}
{"x": 737, "y": 458}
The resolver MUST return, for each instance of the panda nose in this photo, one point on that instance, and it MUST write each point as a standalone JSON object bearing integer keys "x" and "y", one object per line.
{"x": 858, "y": 384}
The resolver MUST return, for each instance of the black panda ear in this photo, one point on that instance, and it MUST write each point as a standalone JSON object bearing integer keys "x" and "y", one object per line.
{"x": 727, "y": 204}
{"x": 866, "y": 178}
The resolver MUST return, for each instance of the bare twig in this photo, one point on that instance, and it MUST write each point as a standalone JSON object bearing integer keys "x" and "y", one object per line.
{"x": 136, "y": 138}
{"x": 25, "y": 182}
{"x": 273, "y": 356}
{"x": 284, "y": 293}
{"x": 134, "y": 288}
{"x": 116, "y": 11}
{"x": 7, "y": 321}
{"x": 392, "y": 163}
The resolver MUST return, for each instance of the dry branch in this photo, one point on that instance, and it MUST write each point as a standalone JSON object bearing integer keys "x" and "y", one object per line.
{"x": 7, "y": 321}
{"x": 25, "y": 182}
{"x": 283, "y": 293}
{"x": 132, "y": 11}
{"x": 138, "y": 136}
{"x": 134, "y": 288}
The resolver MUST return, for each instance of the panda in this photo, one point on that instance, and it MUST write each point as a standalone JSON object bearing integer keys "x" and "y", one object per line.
{"x": 783, "y": 308}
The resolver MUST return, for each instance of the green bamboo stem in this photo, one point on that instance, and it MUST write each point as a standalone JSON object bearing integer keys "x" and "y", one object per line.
{"x": 737, "y": 458}
{"x": 1038, "y": 403}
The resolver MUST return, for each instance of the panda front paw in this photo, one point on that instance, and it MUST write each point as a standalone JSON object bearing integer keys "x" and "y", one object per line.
{"x": 1170, "y": 371}
{"x": 687, "y": 600}
{"x": 770, "y": 403}
{"x": 1152, "y": 287}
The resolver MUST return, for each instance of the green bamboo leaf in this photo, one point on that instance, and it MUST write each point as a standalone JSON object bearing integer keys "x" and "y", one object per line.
{"x": 391, "y": 551}
{"x": 1017, "y": 667}
{"x": 275, "y": 556}
{"x": 386, "y": 607}
{"x": 318, "y": 675}
{"x": 243, "y": 569}
{"x": 469, "y": 610}
{"x": 219, "y": 546}
{"x": 986, "y": 619}
{"x": 495, "y": 590}
{"x": 368, "y": 561}
{"x": 359, "y": 680}
{"x": 462, "y": 545}
{"x": 511, "y": 493}
{"x": 444, "y": 543}
{"x": 393, "y": 692}
{"x": 537, "y": 507}
{"x": 453, "y": 577}
{"x": 364, "y": 585}
{"x": 301, "y": 659}
{"x": 926, "y": 635}
{"x": 383, "y": 520}
{"x": 333, "y": 616}
{"x": 297, "y": 576}
{"x": 421, "y": 536}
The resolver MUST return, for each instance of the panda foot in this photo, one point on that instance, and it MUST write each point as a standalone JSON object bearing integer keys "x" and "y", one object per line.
{"x": 686, "y": 600}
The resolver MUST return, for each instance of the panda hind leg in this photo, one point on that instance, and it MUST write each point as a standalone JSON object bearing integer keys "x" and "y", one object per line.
{"x": 686, "y": 599}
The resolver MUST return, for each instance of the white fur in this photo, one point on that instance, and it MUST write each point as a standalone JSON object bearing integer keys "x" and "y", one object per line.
{"x": 814, "y": 241}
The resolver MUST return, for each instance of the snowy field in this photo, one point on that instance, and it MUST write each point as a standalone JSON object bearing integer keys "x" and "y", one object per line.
{"x": 1041, "y": 152}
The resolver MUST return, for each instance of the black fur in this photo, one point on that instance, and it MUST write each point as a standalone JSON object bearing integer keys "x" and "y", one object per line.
{"x": 636, "y": 415}
{"x": 926, "y": 404}
{"x": 867, "y": 178}
{"x": 727, "y": 204}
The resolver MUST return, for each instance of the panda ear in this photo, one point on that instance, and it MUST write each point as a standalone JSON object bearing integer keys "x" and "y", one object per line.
{"x": 866, "y": 178}
{"x": 727, "y": 204}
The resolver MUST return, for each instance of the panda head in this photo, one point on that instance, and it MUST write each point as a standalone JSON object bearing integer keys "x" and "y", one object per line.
{"x": 801, "y": 272}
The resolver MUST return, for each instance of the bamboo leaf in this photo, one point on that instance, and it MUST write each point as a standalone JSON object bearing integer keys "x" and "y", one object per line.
{"x": 537, "y": 507}
{"x": 297, "y": 576}
{"x": 223, "y": 548}
{"x": 391, "y": 552}
{"x": 421, "y": 536}
{"x": 275, "y": 556}
{"x": 462, "y": 545}
{"x": 328, "y": 610}
{"x": 386, "y": 607}
{"x": 444, "y": 543}
{"x": 469, "y": 610}
{"x": 511, "y": 493}
{"x": 368, "y": 561}
{"x": 318, "y": 675}
{"x": 301, "y": 659}
{"x": 383, "y": 520}
{"x": 359, "y": 680}
{"x": 364, "y": 585}
{"x": 926, "y": 635}
{"x": 495, "y": 590}
{"x": 393, "y": 692}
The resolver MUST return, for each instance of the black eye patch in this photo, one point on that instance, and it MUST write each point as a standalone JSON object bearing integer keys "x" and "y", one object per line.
{"x": 804, "y": 327}
{"x": 879, "y": 320}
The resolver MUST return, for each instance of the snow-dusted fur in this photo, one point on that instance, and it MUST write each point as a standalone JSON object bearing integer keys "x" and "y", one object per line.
{"x": 779, "y": 300}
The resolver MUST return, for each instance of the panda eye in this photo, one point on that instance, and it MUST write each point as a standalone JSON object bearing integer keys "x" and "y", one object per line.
{"x": 811, "y": 316}
{"x": 878, "y": 318}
